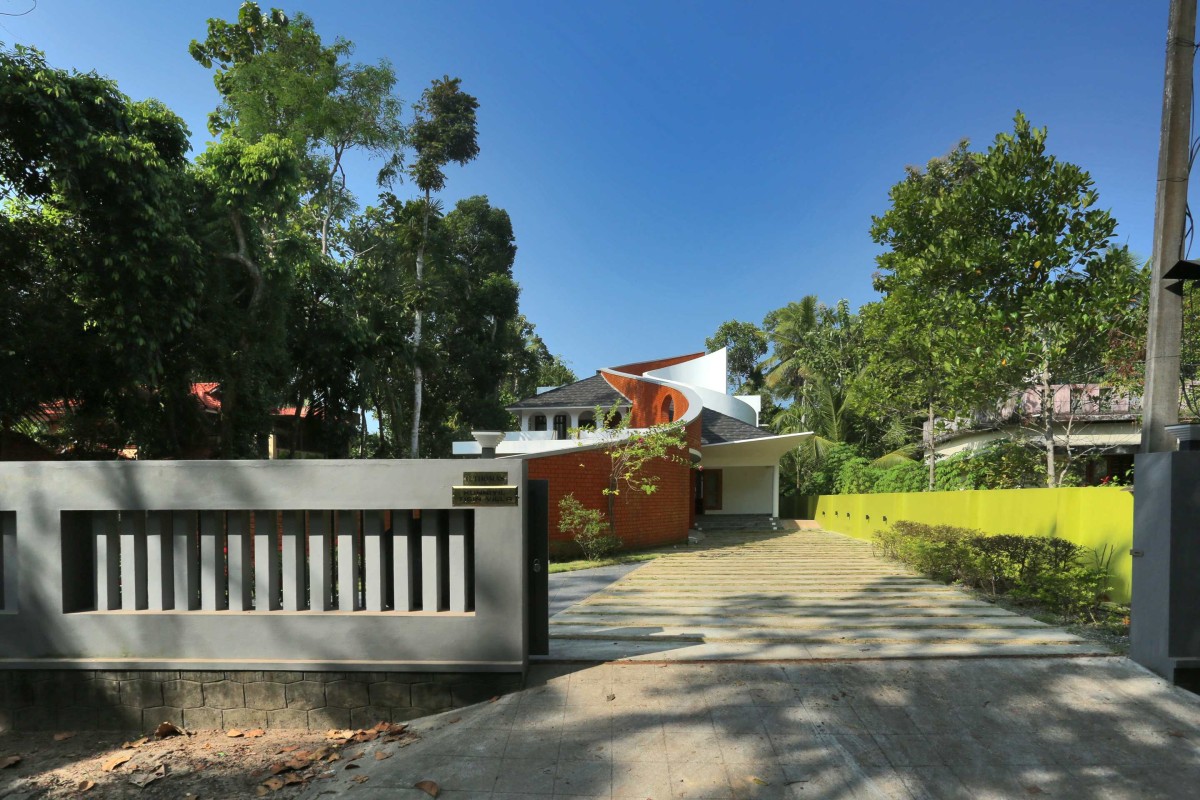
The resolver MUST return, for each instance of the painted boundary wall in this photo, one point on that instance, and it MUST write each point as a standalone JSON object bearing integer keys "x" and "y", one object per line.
{"x": 1088, "y": 516}
{"x": 104, "y": 566}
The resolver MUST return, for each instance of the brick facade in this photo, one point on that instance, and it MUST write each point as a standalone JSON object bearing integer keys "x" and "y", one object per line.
{"x": 642, "y": 520}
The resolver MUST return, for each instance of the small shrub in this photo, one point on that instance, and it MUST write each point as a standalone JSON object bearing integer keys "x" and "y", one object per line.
{"x": 586, "y": 527}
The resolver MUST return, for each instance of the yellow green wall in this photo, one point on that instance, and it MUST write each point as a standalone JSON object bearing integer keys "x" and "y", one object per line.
{"x": 1092, "y": 517}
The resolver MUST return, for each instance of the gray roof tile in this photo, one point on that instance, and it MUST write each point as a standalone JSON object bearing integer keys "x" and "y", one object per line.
{"x": 717, "y": 428}
{"x": 587, "y": 393}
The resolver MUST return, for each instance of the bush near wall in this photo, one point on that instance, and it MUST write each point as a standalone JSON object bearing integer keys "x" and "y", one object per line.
{"x": 1061, "y": 575}
{"x": 1092, "y": 517}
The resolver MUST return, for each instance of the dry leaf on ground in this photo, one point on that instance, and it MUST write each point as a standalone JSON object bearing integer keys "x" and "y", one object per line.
{"x": 360, "y": 778}
{"x": 254, "y": 734}
{"x": 9, "y": 761}
{"x": 146, "y": 778}
{"x": 62, "y": 737}
{"x": 85, "y": 786}
{"x": 136, "y": 743}
{"x": 428, "y": 787}
{"x": 116, "y": 761}
{"x": 166, "y": 729}
{"x": 234, "y": 733}
{"x": 380, "y": 755}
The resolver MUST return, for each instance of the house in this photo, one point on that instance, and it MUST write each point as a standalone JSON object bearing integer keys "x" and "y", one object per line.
{"x": 735, "y": 463}
{"x": 1092, "y": 419}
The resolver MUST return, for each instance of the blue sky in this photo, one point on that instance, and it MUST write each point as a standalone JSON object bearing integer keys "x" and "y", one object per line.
{"x": 669, "y": 166}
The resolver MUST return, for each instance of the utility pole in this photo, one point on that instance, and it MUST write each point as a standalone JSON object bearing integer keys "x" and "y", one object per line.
{"x": 1161, "y": 403}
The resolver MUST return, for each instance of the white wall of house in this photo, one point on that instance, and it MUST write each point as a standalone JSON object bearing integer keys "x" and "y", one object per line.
{"x": 747, "y": 490}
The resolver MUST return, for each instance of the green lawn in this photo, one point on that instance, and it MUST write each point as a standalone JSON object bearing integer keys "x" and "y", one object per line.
{"x": 623, "y": 558}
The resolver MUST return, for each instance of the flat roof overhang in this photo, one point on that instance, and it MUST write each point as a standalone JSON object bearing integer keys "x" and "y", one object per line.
{"x": 764, "y": 452}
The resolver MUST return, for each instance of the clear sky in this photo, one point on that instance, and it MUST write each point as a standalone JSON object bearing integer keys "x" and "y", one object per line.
{"x": 669, "y": 166}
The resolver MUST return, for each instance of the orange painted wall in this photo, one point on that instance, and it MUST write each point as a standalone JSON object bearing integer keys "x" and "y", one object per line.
{"x": 642, "y": 367}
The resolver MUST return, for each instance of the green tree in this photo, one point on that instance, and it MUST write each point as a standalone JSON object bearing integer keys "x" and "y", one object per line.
{"x": 100, "y": 254}
{"x": 280, "y": 83}
{"x": 444, "y": 131}
{"x": 921, "y": 338}
{"x": 998, "y": 274}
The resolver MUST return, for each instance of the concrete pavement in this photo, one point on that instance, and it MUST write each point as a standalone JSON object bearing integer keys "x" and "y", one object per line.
{"x": 789, "y": 596}
{"x": 906, "y": 718}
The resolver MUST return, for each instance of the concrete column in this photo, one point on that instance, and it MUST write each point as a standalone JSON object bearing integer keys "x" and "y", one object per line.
{"x": 375, "y": 580}
{"x": 402, "y": 561}
{"x": 457, "y": 555}
{"x": 431, "y": 571}
{"x": 348, "y": 556}
{"x": 185, "y": 560}
{"x": 320, "y": 561}
{"x": 133, "y": 560}
{"x": 294, "y": 574}
{"x": 106, "y": 549}
{"x": 212, "y": 562}
{"x": 267, "y": 571}
{"x": 8, "y": 554}
{"x": 241, "y": 575}
{"x": 160, "y": 576}
{"x": 775, "y": 490}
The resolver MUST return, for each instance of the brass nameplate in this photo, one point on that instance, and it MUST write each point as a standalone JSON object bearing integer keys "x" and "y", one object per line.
{"x": 485, "y": 478}
{"x": 483, "y": 495}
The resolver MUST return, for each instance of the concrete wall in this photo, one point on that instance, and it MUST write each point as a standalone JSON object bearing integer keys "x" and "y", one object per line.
{"x": 84, "y": 700}
{"x": 53, "y": 585}
{"x": 1092, "y": 517}
{"x": 747, "y": 490}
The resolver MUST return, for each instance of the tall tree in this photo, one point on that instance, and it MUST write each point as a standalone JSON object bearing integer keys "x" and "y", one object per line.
{"x": 278, "y": 81}
{"x": 998, "y": 276}
{"x": 443, "y": 131}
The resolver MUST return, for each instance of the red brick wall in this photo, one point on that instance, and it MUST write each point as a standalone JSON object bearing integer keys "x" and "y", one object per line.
{"x": 642, "y": 520}
{"x": 648, "y": 400}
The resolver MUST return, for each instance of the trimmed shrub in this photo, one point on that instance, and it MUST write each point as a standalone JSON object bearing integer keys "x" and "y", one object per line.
{"x": 587, "y": 528}
{"x": 1053, "y": 572}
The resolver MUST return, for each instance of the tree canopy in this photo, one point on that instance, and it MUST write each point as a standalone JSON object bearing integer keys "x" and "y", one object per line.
{"x": 135, "y": 275}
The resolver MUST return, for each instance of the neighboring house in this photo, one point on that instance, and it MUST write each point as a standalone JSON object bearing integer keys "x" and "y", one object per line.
{"x": 736, "y": 463}
{"x": 1091, "y": 418}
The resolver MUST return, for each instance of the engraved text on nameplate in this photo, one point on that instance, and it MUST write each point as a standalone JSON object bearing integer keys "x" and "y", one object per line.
{"x": 483, "y": 495}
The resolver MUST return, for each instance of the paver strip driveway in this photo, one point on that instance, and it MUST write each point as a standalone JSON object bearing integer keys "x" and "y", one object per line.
{"x": 827, "y": 720}
{"x": 788, "y": 596}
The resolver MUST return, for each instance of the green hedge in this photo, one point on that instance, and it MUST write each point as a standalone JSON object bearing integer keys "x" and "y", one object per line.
{"x": 1064, "y": 576}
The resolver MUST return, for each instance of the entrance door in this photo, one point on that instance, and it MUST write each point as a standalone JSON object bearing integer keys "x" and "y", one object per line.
{"x": 711, "y": 489}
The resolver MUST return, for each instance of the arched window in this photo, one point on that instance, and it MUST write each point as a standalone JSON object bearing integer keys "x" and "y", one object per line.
{"x": 669, "y": 408}
{"x": 560, "y": 426}
{"x": 587, "y": 421}
{"x": 614, "y": 420}
{"x": 539, "y": 422}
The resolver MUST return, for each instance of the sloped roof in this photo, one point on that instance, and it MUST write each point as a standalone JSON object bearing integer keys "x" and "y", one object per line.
{"x": 587, "y": 393}
{"x": 718, "y": 428}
